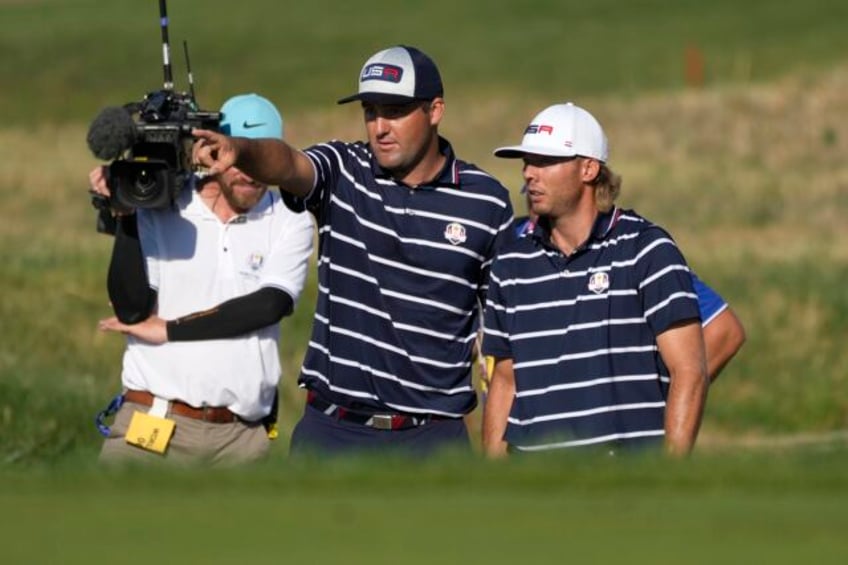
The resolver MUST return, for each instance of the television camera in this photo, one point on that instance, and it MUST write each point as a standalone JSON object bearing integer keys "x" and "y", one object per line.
{"x": 148, "y": 142}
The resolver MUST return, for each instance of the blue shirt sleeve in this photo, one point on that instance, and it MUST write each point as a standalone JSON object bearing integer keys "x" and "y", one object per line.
{"x": 522, "y": 226}
{"x": 710, "y": 303}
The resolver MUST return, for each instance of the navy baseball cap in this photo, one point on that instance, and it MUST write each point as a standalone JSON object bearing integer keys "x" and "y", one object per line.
{"x": 398, "y": 75}
{"x": 251, "y": 115}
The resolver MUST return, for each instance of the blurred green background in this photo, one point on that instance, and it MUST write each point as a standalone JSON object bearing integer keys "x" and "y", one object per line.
{"x": 726, "y": 120}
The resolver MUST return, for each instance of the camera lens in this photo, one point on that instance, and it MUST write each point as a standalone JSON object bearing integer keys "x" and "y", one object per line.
{"x": 144, "y": 184}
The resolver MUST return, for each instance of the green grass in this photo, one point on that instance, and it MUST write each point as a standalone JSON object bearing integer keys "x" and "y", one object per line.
{"x": 748, "y": 173}
{"x": 68, "y": 58}
{"x": 791, "y": 375}
{"x": 734, "y": 508}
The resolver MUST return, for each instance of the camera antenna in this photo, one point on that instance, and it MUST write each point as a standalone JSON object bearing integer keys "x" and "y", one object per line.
{"x": 188, "y": 69}
{"x": 166, "y": 47}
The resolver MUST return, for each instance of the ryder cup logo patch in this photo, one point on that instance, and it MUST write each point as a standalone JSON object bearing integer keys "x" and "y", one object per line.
{"x": 599, "y": 282}
{"x": 455, "y": 233}
{"x": 255, "y": 260}
{"x": 382, "y": 71}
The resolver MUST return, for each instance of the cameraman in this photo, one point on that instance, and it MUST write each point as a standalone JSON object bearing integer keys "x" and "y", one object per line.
{"x": 199, "y": 289}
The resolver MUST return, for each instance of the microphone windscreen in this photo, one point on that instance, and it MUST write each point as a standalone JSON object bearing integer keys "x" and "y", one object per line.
{"x": 111, "y": 133}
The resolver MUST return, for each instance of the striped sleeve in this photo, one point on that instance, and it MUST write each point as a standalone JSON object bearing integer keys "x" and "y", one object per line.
{"x": 327, "y": 162}
{"x": 505, "y": 236}
{"x": 496, "y": 341}
{"x": 664, "y": 282}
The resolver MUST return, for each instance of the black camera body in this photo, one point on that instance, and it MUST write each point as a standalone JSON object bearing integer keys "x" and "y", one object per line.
{"x": 157, "y": 165}
{"x": 148, "y": 143}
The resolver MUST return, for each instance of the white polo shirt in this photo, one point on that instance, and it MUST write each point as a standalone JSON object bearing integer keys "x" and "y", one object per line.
{"x": 195, "y": 262}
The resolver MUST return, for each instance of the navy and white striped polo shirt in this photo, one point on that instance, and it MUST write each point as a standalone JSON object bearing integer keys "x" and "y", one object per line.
{"x": 710, "y": 302}
{"x": 581, "y": 330}
{"x": 400, "y": 274}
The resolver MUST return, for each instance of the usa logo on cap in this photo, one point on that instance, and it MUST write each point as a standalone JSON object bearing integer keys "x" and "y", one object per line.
{"x": 382, "y": 71}
{"x": 397, "y": 75}
{"x": 539, "y": 128}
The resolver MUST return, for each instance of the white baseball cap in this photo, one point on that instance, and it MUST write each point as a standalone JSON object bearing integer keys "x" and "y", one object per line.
{"x": 398, "y": 75}
{"x": 561, "y": 130}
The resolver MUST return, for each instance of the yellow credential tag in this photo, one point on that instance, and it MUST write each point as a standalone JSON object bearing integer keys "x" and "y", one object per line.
{"x": 486, "y": 380}
{"x": 273, "y": 431}
{"x": 150, "y": 432}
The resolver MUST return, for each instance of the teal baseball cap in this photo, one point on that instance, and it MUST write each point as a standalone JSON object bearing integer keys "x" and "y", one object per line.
{"x": 251, "y": 115}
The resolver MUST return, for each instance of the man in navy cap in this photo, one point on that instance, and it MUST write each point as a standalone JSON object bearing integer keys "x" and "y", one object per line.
{"x": 199, "y": 289}
{"x": 407, "y": 234}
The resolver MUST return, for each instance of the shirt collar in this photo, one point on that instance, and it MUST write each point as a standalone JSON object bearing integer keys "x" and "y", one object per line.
{"x": 263, "y": 208}
{"x": 447, "y": 176}
{"x": 603, "y": 225}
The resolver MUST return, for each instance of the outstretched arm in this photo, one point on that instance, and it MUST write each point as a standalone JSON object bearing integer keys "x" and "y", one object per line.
{"x": 232, "y": 318}
{"x": 270, "y": 161}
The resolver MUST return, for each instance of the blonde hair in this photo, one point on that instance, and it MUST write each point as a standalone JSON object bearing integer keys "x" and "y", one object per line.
{"x": 607, "y": 188}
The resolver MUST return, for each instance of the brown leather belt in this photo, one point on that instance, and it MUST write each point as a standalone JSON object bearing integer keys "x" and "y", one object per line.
{"x": 213, "y": 414}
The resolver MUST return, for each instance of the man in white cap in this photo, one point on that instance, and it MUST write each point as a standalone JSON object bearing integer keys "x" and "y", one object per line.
{"x": 591, "y": 318}
{"x": 199, "y": 289}
{"x": 407, "y": 234}
{"x": 724, "y": 334}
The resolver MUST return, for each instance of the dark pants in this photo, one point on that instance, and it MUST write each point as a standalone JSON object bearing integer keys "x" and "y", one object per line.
{"x": 318, "y": 433}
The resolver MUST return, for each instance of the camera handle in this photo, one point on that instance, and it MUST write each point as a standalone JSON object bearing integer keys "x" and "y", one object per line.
{"x": 107, "y": 222}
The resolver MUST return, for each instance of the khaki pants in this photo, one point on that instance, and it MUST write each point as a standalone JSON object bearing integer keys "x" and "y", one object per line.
{"x": 194, "y": 441}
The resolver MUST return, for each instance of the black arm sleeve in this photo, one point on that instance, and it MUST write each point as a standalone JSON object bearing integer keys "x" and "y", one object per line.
{"x": 129, "y": 290}
{"x": 234, "y": 317}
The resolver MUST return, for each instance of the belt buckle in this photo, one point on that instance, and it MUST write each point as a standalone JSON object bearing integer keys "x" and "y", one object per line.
{"x": 212, "y": 415}
{"x": 381, "y": 421}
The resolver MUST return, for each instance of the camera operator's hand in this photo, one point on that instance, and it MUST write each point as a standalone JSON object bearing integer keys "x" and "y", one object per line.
{"x": 97, "y": 182}
{"x": 153, "y": 330}
{"x": 214, "y": 151}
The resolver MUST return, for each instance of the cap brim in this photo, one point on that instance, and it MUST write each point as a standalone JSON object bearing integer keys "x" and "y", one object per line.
{"x": 378, "y": 98}
{"x": 518, "y": 151}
